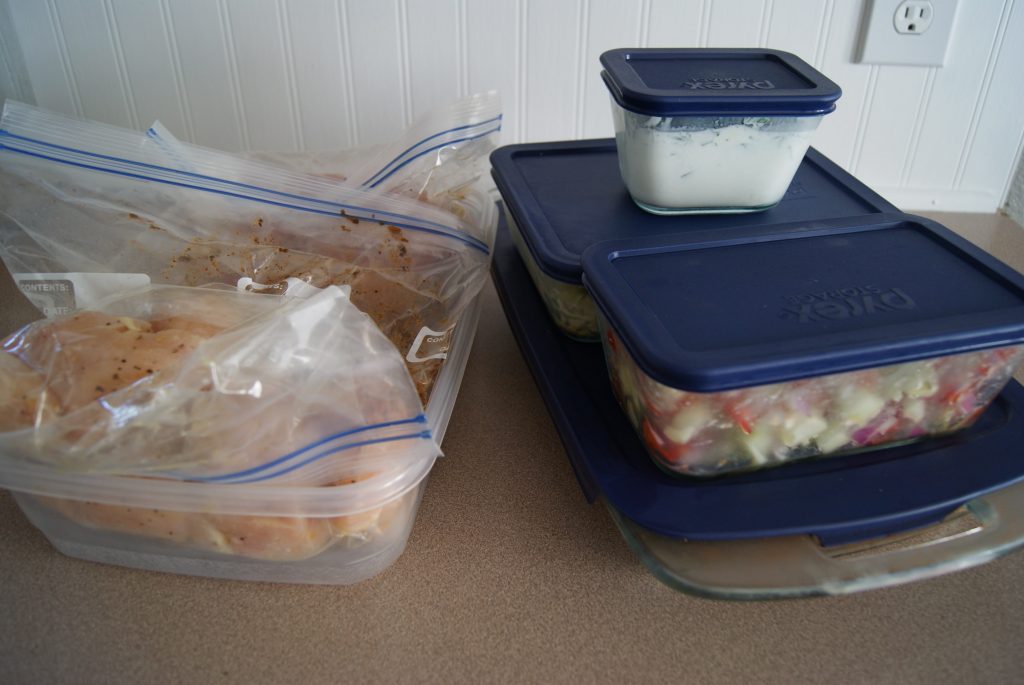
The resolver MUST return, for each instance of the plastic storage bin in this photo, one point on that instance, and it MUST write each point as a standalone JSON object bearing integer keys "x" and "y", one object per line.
{"x": 731, "y": 355}
{"x": 815, "y": 527}
{"x": 562, "y": 197}
{"x": 332, "y": 535}
{"x": 712, "y": 130}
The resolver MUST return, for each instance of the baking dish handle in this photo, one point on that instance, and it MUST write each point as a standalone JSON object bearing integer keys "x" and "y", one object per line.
{"x": 985, "y": 528}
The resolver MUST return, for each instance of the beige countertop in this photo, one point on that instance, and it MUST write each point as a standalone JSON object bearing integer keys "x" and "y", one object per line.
{"x": 509, "y": 575}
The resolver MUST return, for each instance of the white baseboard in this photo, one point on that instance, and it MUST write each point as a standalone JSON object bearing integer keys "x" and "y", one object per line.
{"x": 942, "y": 200}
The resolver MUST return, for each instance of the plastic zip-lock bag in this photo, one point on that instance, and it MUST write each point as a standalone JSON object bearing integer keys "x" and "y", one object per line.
{"x": 213, "y": 385}
{"x": 86, "y": 198}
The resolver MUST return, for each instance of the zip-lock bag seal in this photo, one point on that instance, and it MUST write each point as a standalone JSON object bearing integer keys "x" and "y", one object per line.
{"x": 442, "y": 152}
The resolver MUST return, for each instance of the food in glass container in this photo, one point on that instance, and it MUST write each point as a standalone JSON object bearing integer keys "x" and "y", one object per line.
{"x": 552, "y": 223}
{"x": 712, "y": 130}
{"x": 721, "y": 164}
{"x": 730, "y": 354}
{"x": 702, "y": 434}
{"x": 568, "y": 304}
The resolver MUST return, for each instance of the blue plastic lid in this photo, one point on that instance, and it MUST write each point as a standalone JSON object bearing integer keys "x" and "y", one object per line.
{"x": 566, "y": 196}
{"x": 710, "y": 81}
{"x": 793, "y": 303}
{"x": 837, "y": 499}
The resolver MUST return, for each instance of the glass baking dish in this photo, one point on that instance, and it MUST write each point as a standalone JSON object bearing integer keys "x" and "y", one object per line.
{"x": 813, "y": 527}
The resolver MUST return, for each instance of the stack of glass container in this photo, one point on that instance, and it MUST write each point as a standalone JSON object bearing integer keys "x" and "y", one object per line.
{"x": 757, "y": 307}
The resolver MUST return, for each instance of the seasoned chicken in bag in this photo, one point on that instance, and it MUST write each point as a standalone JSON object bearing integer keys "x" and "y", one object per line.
{"x": 212, "y": 385}
{"x": 78, "y": 196}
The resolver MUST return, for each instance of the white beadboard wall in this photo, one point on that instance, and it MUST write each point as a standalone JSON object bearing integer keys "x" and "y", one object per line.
{"x": 305, "y": 74}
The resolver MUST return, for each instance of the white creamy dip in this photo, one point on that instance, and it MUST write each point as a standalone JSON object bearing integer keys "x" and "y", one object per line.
{"x": 733, "y": 164}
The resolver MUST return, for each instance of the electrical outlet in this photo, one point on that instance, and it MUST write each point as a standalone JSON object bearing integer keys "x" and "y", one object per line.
{"x": 913, "y": 17}
{"x": 915, "y": 32}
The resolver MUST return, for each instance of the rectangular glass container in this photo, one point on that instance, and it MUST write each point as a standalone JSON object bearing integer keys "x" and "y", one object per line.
{"x": 735, "y": 354}
{"x": 709, "y": 434}
{"x": 561, "y": 197}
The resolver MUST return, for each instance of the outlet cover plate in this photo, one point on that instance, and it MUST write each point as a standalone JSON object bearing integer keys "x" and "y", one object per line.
{"x": 880, "y": 43}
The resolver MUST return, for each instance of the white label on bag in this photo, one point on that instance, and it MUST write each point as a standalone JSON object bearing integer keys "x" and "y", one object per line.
{"x": 60, "y": 293}
{"x": 431, "y": 344}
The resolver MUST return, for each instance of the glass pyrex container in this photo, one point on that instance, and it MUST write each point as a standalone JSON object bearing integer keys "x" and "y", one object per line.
{"x": 712, "y": 130}
{"x": 338, "y": 534}
{"x": 732, "y": 355}
{"x": 698, "y": 535}
{"x": 562, "y": 197}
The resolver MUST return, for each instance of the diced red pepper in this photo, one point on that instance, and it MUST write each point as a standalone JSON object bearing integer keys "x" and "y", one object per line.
{"x": 1004, "y": 354}
{"x": 955, "y": 397}
{"x": 611, "y": 340}
{"x": 671, "y": 451}
{"x": 739, "y": 417}
{"x": 881, "y": 434}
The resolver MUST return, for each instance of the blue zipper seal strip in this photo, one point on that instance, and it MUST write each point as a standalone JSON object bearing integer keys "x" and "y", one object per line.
{"x": 369, "y": 214}
{"x": 374, "y": 181}
{"x": 258, "y": 473}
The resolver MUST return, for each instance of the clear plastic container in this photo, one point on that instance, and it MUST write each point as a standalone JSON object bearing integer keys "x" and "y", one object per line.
{"x": 337, "y": 550}
{"x": 736, "y": 354}
{"x": 337, "y": 534}
{"x": 712, "y": 130}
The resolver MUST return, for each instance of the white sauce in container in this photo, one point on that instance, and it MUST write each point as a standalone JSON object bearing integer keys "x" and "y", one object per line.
{"x": 712, "y": 130}
{"x": 701, "y": 164}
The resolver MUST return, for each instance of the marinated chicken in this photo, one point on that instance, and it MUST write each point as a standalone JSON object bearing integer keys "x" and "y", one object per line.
{"x": 272, "y": 538}
{"x": 121, "y": 350}
{"x": 71, "y": 366}
{"x": 22, "y": 398}
{"x": 404, "y": 285}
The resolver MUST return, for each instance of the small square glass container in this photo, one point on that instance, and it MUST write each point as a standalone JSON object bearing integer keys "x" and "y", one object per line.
{"x": 704, "y": 130}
